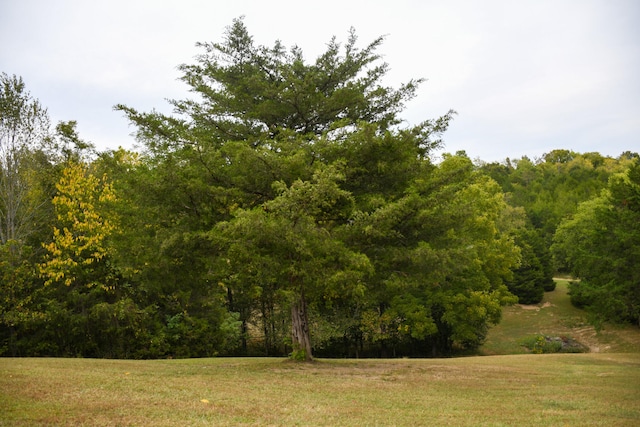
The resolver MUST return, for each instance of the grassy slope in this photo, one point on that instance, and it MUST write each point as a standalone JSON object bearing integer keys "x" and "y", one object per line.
{"x": 560, "y": 389}
{"x": 555, "y": 316}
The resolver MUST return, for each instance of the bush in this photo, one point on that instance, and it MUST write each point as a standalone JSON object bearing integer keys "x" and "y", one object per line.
{"x": 549, "y": 285}
{"x": 298, "y": 355}
{"x": 579, "y": 294}
{"x": 541, "y": 344}
{"x": 527, "y": 293}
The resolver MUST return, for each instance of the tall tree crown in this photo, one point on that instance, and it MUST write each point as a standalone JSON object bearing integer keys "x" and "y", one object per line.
{"x": 24, "y": 129}
{"x": 252, "y": 92}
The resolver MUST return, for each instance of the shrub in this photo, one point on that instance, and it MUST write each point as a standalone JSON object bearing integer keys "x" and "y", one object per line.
{"x": 549, "y": 285}
{"x": 579, "y": 294}
{"x": 298, "y": 355}
{"x": 539, "y": 344}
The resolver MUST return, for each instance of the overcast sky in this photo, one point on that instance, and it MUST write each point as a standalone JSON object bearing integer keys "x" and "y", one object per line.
{"x": 525, "y": 76}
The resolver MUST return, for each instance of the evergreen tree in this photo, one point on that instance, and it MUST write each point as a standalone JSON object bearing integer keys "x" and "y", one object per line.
{"x": 262, "y": 123}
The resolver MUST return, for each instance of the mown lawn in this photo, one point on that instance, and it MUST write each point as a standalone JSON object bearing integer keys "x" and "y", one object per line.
{"x": 601, "y": 388}
{"x": 548, "y": 390}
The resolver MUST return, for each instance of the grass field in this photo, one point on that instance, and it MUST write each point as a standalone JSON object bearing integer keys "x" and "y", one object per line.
{"x": 592, "y": 389}
{"x": 523, "y": 390}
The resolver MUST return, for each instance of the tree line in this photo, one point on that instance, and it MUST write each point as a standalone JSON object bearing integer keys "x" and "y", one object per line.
{"x": 285, "y": 208}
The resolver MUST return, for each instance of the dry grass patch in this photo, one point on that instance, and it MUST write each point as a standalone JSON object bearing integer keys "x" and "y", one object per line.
{"x": 586, "y": 389}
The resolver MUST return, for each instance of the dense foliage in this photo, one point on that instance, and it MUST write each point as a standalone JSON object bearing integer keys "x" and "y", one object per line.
{"x": 285, "y": 209}
{"x": 601, "y": 246}
{"x": 549, "y": 190}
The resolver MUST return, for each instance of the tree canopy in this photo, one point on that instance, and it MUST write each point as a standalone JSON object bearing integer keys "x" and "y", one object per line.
{"x": 601, "y": 246}
{"x": 285, "y": 207}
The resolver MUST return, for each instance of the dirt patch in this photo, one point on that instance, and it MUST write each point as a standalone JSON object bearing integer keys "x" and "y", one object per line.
{"x": 529, "y": 307}
{"x": 589, "y": 337}
{"x": 536, "y": 307}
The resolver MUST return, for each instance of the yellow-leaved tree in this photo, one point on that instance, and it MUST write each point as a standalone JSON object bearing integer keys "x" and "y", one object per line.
{"x": 78, "y": 253}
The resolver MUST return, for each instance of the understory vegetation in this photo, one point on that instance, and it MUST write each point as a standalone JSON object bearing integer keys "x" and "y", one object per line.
{"x": 287, "y": 209}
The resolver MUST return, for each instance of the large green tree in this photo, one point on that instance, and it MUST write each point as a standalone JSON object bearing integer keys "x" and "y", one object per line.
{"x": 262, "y": 115}
{"x": 601, "y": 246}
{"x": 441, "y": 260}
{"x": 530, "y": 279}
{"x": 289, "y": 244}
{"x": 179, "y": 311}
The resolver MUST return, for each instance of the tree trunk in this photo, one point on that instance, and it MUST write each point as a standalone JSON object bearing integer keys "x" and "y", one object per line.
{"x": 243, "y": 336}
{"x": 301, "y": 338}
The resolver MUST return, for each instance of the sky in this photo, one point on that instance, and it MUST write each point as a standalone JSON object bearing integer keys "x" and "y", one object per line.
{"x": 525, "y": 77}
